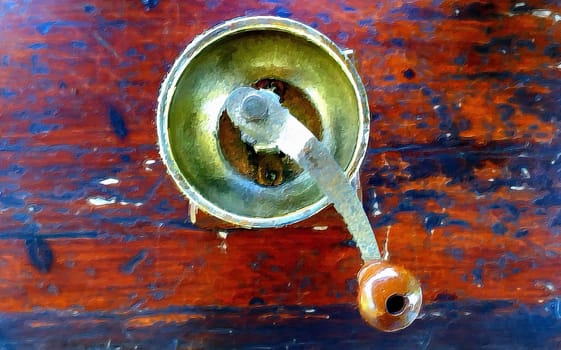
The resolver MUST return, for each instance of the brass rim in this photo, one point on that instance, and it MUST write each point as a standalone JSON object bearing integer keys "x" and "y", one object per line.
{"x": 207, "y": 39}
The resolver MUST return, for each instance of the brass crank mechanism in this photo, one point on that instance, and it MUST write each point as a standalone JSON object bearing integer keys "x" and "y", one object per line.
{"x": 389, "y": 297}
{"x": 215, "y": 77}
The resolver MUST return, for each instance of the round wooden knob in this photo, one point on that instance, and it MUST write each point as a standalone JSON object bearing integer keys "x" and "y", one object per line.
{"x": 389, "y": 296}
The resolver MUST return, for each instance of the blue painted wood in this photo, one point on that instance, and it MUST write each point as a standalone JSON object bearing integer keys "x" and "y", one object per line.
{"x": 443, "y": 325}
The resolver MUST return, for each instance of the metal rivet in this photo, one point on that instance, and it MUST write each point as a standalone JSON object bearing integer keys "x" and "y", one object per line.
{"x": 254, "y": 107}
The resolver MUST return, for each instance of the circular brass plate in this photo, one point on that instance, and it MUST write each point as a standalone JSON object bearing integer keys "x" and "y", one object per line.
{"x": 239, "y": 53}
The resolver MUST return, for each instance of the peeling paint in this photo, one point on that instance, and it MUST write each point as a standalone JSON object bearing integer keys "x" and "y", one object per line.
{"x": 109, "y": 181}
{"x": 100, "y": 201}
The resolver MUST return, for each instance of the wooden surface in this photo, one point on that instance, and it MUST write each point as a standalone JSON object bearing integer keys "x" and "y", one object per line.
{"x": 461, "y": 183}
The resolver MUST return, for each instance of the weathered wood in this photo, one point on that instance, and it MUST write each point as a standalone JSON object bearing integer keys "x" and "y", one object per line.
{"x": 461, "y": 180}
{"x": 458, "y": 325}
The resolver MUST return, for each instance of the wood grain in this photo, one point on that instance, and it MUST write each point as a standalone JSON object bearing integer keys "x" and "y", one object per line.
{"x": 462, "y": 325}
{"x": 461, "y": 180}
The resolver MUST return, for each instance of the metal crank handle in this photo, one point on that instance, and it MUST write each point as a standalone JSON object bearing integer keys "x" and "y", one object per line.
{"x": 389, "y": 297}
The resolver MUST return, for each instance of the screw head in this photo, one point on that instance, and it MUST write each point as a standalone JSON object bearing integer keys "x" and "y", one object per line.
{"x": 254, "y": 107}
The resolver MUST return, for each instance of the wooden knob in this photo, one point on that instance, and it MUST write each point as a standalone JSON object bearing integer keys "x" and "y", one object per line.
{"x": 389, "y": 296}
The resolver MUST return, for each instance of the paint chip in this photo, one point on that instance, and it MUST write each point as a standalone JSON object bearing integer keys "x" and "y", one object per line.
{"x": 223, "y": 234}
{"x": 376, "y": 207}
{"x": 109, "y": 181}
{"x": 136, "y": 204}
{"x": 99, "y": 201}
{"x": 223, "y": 246}
{"x": 377, "y": 210}
{"x": 148, "y": 163}
{"x": 541, "y": 13}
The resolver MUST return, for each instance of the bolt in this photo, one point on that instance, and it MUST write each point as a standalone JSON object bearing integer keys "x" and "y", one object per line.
{"x": 254, "y": 107}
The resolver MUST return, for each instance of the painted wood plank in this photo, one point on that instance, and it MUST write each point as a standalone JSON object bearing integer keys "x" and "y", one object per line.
{"x": 461, "y": 182}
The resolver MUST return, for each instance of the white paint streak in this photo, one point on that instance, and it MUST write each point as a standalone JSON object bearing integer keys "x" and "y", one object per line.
{"x": 148, "y": 163}
{"x": 525, "y": 173}
{"x": 376, "y": 209}
{"x": 99, "y": 201}
{"x": 136, "y": 204}
{"x": 223, "y": 245}
{"x": 518, "y": 188}
{"x": 320, "y": 228}
{"x": 109, "y": 181}
{"x": 547, "y": 285}
{"x": 541, "y": 13}
{"x": 310, "y": 311}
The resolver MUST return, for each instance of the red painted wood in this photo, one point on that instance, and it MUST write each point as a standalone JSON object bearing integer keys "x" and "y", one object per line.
{"x": 463, "y": 158}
